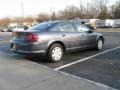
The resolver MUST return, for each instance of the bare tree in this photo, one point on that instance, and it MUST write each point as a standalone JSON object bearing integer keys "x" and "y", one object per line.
{"x": 70, "y": 12}
{"x": 100, "y": 4}
{"x": 53, "y": 16}
{"x": 116, "y": 10}
{"x": 101, "y": 8}
{"x": 63, "y": 15}
{"x": 94, "y": 9}
{"x": 4, "y": 22}
{"x": 29, "y": 19}
{"x": 43, "y": 17}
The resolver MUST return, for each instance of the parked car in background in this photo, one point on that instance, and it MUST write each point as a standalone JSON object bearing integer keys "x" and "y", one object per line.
{"x": 6, "y": 29}
{"x": 9, "y": 29}
{"x": 1, "y": 29}
{"x": 20, "y": 28}
{"x": 54, "y": 38}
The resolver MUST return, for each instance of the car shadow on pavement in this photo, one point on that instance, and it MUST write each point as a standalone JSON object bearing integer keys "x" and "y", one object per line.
{"x": 68, "y": 57}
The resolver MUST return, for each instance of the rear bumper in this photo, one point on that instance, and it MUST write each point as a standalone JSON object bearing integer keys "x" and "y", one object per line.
{"x": 27, "y": 52}
{"x": 26, "y": 48}
{"x": 31, "y": 53}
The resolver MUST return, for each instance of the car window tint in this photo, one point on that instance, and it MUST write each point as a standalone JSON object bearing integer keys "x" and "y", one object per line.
{"x": 42, "y": 26}
{"x": 67, "y": 28}
{"x": 61, "y": 28}
{"x": 81, "y": 28}
{"x": 54, "y": 27}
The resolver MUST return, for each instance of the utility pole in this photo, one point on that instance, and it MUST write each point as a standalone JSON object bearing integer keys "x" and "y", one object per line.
{"x": 50, "y": 9}
{"x": 22, "y": 12}
{"x": 21, "y": 18}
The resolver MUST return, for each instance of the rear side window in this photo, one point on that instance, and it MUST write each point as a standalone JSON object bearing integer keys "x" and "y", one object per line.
{"x": 68, "y": 27}
{"x": 43, "y": 26}
{"x": 81, "y": 28}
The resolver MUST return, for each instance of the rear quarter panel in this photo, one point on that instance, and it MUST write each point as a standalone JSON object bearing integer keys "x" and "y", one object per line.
{"x": 47, "y": 38}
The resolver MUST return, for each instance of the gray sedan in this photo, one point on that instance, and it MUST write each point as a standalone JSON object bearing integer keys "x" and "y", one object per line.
{"x": 54, "y": 38}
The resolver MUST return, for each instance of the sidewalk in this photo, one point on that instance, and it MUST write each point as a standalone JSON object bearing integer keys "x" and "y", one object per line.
{"x": 19, "y": 74}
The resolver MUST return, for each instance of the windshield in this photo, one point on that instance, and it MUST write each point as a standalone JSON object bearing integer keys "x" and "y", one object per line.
{"x": 42, "y": 26}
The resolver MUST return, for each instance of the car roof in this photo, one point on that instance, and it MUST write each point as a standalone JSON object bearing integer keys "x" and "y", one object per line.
{"x": 63, "y": 21}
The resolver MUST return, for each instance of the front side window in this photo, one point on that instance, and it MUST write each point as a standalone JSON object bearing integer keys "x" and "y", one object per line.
{"x": 67, "y": 28}
{"x": 81, "y": 28}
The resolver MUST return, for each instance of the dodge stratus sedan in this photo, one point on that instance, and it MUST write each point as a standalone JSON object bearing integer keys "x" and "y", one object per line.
{"x": 54, "y": 38}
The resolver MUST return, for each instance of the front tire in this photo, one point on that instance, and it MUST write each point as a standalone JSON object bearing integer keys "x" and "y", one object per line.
{"x": 55, "y": 53}
{"x": 99, "y": 43}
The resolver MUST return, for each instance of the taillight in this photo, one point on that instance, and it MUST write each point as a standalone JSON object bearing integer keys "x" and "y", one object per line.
{"x": 31, "y": 37}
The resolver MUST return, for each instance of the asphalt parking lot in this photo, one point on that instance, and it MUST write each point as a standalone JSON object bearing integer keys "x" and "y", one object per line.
{"x": 99, "y": 66}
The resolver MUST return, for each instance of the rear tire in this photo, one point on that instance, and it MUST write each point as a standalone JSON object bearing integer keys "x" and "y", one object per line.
{"x": 99, "y": 44}
{"x": 55, "y": 52}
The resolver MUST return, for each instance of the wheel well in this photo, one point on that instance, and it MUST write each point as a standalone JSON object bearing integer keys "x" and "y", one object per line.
{"x": 58, "y": 42}
{"x": 101, "y": 38}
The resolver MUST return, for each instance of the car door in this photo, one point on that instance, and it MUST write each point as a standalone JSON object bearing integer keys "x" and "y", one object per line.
{"x": 70, "y": 36}
{"x": 88, "y": 38}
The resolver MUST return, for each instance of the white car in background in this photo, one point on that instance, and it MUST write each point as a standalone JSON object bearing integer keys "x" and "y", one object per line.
{"x": 20, "y": 28}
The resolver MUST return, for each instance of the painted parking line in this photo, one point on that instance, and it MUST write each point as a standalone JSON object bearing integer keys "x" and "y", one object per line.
{"x": 80, "y": 78}
{"x": 84, "y": 59}
{"x": 89, "y": 81}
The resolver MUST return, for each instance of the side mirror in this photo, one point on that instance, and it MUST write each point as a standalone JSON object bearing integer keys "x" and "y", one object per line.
{"x": 90, "y": 31}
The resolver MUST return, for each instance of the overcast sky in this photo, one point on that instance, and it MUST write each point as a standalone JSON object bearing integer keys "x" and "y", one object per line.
{"x": 33, "y": 7}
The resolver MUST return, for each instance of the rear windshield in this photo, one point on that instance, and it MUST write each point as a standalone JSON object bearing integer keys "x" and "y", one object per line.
{"x": 43, "y": 26}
